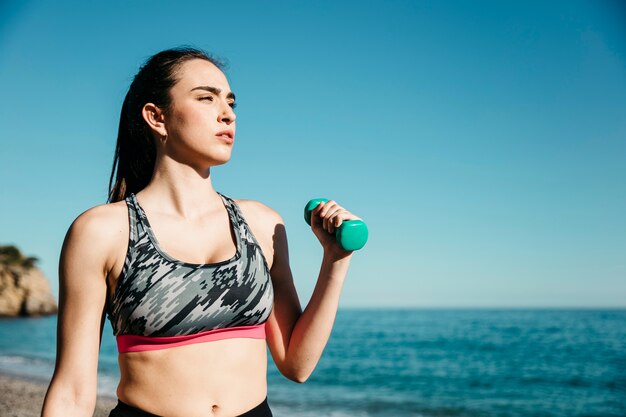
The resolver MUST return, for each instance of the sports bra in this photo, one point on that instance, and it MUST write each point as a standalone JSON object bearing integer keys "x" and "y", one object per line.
{"x": 160, "y": 302}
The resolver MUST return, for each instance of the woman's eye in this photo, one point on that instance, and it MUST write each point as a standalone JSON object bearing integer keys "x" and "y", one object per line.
{"x": 209, "y": 98}
{"x": 232, "y": 105}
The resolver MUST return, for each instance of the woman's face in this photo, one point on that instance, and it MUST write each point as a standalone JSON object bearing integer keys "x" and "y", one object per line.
{"x": 200, "y": 122}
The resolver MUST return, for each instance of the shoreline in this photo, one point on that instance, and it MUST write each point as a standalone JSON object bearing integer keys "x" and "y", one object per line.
{"x": 22, "y": 396}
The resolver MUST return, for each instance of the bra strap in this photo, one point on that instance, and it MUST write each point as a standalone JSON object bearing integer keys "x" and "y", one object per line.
{"x": 134, "y": 217}
{"x": 245, "y": 232}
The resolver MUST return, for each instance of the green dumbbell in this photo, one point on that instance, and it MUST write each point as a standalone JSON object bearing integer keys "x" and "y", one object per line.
{"x": 351, "y": 235}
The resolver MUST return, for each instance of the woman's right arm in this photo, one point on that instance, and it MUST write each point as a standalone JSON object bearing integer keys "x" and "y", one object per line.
{"x": 83, "y": 265}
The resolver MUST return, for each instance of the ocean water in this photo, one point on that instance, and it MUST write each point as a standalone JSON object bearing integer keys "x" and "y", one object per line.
{"x": 417, "y": 362}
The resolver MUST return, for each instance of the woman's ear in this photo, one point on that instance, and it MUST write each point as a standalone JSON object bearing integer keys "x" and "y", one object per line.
{"x": 155, "y": 117}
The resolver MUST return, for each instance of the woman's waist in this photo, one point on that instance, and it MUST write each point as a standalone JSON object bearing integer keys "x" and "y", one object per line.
{"x": 221, "y": 375}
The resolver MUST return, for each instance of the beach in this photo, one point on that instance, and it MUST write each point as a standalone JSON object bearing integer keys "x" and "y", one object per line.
{"x": 23, "y": 397}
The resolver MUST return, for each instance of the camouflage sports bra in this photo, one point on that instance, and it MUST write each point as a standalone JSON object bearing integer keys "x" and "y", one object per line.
{"x": 160, "y": 302}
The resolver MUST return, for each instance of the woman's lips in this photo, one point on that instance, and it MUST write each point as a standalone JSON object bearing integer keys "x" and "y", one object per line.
{"x": 227, "y": 136}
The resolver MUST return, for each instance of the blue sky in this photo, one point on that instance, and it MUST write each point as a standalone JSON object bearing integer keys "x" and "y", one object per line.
{"x": 484, "y": 142}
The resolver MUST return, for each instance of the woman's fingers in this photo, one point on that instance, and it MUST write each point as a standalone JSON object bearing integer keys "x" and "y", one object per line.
{"x": 335, "y": 219}
{"x": 332, "y": 215}
{"x": 326, "y": 218}
{"x": 326, "y": 212}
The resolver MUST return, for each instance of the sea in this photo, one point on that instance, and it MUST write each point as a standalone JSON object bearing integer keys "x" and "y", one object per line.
{"x": 418, "y": 362}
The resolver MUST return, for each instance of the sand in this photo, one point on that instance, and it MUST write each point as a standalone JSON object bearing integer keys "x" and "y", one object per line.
{"x": 22, "y": 397}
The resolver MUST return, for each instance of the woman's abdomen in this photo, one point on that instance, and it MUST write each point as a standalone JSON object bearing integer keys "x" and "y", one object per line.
{"x": 219, "y": 378}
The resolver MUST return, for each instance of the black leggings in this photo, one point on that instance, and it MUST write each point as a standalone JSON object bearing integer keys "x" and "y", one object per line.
{"x": 124, "y": 410}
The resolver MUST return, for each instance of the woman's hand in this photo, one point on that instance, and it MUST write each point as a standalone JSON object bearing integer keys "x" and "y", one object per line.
{"x": 325, "y": 219}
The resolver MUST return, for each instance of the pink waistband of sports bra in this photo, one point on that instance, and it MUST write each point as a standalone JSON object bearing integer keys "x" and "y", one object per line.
{"x": 133, "y": 343}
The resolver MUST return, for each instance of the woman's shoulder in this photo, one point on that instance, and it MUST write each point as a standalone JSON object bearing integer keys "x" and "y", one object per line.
{"x": 102, "y": 224}
{"x": 258, "y": 212}
{"x": 95, "y": 237}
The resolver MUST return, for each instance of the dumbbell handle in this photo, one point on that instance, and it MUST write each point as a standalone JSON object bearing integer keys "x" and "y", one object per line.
{"x": 351, "y": 235}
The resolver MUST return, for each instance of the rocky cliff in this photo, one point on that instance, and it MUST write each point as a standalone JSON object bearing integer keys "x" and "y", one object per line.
{"x": 24, "y": 290}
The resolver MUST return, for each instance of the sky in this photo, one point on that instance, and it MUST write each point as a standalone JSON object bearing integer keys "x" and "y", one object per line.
{"x": 483, "y": 142}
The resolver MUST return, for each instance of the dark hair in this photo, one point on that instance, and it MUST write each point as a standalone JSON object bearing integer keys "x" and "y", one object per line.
{"x": 135, "y": 152}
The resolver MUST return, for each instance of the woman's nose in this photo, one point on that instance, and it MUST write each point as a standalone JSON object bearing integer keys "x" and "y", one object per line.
{"x": 227, "y": 115}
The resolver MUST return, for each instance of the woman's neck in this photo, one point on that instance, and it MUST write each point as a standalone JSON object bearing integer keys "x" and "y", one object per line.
{"x": 180, "y": 190}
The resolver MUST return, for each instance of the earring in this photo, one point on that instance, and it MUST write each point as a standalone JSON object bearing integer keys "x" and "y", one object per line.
{"x": 163, "y": 139}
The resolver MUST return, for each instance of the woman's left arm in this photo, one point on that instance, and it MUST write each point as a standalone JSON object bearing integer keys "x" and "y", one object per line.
{"x": 297, "y": 338}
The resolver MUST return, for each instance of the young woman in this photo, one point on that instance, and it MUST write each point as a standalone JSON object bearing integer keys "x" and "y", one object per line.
{"x": 194, "y": 283}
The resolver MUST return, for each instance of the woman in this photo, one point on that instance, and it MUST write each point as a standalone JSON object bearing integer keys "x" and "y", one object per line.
{"x": 195, "y": 284}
